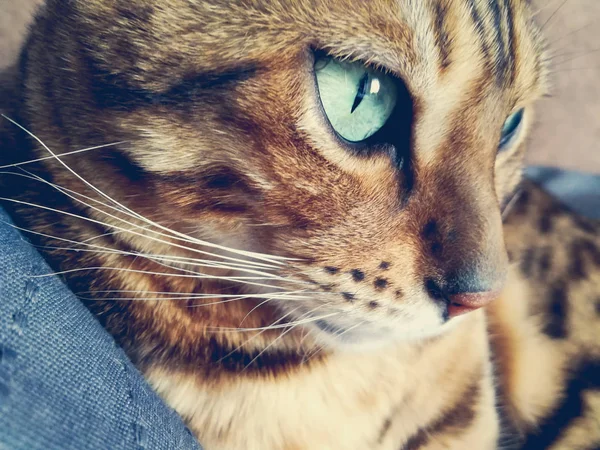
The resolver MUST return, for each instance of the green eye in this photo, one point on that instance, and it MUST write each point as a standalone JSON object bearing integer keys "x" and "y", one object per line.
{"x": 511, "y": 127}
{"x": 357, "y": 100}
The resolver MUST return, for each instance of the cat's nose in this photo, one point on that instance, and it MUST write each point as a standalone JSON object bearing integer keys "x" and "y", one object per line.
{"x": 462, "y": 295}
{"x": 459, "y": 304}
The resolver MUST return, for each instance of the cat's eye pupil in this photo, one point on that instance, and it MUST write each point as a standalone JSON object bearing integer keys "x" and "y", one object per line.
{"x": 362, "y": 89}
{"x": 511, "y": 127}
{"x": 357, "y": 100}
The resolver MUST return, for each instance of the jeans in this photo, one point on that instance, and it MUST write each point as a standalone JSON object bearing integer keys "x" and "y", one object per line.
{"x": 64, "y": 383}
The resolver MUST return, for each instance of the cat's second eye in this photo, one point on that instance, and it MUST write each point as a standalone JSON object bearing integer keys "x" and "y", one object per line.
{"x": 511, "y": 127}
{"x": 357, "y": 100}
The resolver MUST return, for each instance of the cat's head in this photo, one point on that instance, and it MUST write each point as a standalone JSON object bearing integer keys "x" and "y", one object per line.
{"x": 372, "y": 143}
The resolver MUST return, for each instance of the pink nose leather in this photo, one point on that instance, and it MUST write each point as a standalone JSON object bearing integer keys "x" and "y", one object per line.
{"x": 465, "y": 303}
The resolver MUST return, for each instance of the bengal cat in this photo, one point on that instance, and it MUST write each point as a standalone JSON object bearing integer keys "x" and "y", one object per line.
{"x": 288, "y": 213}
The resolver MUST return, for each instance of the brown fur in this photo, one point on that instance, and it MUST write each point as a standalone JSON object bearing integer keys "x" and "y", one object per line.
{"x": 221, "y": 139}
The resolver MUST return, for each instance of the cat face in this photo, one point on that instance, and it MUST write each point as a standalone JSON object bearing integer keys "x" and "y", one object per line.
{"x": 372, "y": 144}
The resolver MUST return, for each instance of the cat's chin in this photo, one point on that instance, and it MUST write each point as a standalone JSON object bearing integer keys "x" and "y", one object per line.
{"x": 365, "y": 337}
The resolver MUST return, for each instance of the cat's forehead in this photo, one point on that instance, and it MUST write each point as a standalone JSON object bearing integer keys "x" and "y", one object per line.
{"x": 427, "y": 43}
{"x": 395, "y": 33}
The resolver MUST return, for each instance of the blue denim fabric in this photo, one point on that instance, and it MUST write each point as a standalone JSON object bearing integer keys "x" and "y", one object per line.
{"x": 64, "y": 384}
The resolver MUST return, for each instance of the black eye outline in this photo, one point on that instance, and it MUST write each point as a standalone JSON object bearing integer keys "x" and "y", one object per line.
{"x": 514, "y": 121}
{"x": 394, "y": 136}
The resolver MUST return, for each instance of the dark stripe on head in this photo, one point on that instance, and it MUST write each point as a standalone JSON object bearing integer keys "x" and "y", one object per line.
{"x": 501, "y": 58}
{"x": 480, "y": 27}
{"x": 441, "y": 34}
{"x": 512, "y": 41}
{"x": 123, "y": 165}
{"x": 191, "y": 89}
{"x": 214, "y": 188}
{"x": 114, "y": 91}
{"x": 586, "y": 377}
{"x": 456, "y": 419}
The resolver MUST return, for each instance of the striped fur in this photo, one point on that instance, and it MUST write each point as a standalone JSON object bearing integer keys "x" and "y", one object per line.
{"x": 278, "y": 289}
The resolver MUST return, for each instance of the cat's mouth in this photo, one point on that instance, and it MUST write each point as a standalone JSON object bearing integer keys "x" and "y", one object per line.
{"x": 426, "y": 317}
{"x": 358, "y": 334}
{"x": 362, "y": 330}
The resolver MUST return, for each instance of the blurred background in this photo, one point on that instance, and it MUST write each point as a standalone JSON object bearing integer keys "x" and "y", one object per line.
{"x": 567, "y": 132}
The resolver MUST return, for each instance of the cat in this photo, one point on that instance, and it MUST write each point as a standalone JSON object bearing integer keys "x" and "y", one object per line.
{"x": 289, "y": 214}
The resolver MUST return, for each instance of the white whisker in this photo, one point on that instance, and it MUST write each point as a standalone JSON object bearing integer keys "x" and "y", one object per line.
{"x": 574, "y": 56}
{"x": 61, "y": 154}
{"x": 571, "y": 33}
{"x": 106, "y": 250}
{"x": 147, "y": 272}
{"x": 275, "y": 327}
{"x": 65, "y": 191}
{"x": 107, "y": 234}
{"x": 269, "y": 258}
{"x": 255, "y": 308}
{"x": 227, "y": 298}
{"x": 181, "y": 269}
{"x": 320, "y": 348}
{"x": 122, "y": 229}
{"x": 553, "y": 14}
{"x": 308, "y": 294}
{"x": 247, "y": 341}
{"x": 291, "y": 326}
